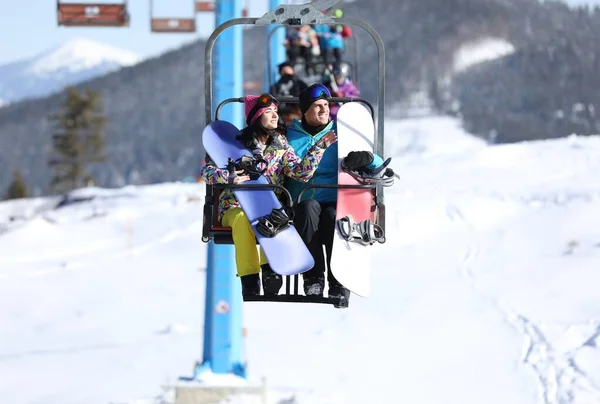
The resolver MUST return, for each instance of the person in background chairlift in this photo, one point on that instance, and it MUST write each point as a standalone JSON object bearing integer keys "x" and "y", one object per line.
{"x": 340, "y": 85}
{"x": 265, "y": 138}
{"x": 288, "y": 85}
{"x": 331, "y": 42}
{"x": 303, "y": 43}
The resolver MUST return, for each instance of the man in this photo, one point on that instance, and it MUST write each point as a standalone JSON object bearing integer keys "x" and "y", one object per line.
{"x": 288, "y": 85}
{"x": 315, "y": 214}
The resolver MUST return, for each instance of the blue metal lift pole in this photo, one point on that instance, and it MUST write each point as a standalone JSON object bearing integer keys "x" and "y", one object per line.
{"x": 276, "y": 47}
{"x": 223, "y": 332}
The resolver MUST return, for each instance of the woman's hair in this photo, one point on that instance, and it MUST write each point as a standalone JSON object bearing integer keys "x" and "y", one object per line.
{"x": 248, "y": 135}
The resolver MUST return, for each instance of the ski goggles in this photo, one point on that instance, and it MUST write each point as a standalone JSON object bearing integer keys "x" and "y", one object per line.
{"x": 264, "y": 100}
{"x": 318, "y": 91}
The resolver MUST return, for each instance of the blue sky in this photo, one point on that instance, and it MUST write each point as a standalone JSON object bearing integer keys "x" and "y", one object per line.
{"x": 28, "y": 27}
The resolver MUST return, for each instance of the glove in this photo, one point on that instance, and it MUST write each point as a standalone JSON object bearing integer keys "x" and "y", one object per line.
{"x": 365, "y": 162}
{"x": 357, "y": 160}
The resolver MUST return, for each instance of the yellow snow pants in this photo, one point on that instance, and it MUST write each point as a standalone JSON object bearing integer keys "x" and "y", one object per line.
{"x": 247, "y": 259}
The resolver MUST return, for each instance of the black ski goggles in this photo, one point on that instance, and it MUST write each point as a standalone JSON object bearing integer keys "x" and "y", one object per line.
{"x": 263, "y": 101}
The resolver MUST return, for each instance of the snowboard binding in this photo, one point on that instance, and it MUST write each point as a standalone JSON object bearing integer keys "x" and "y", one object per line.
{"x": 359, "y": 166}
{"x": 386, "y": 180}
{"x": 275, "y": 222}
{"x": 365, "y": 233}
{"x": 249, "y": 165}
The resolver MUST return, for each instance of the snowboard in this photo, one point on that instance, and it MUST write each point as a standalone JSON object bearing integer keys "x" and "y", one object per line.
{"x": 286, "y": 252}
{"x": 351, "y": 262}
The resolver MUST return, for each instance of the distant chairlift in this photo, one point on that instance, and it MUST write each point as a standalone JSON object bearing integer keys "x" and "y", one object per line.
{"x": 172, "y": 25}
{"x": 208, "y": 6}
{"x": 92, "y": 14}
{"x": 204, "y": 6}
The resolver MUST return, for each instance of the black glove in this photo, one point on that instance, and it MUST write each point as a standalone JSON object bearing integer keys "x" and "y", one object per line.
{"x": 357, "y": 160}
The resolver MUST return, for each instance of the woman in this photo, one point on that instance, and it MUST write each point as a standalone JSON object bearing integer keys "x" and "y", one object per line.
{"x": 265, "y": 138}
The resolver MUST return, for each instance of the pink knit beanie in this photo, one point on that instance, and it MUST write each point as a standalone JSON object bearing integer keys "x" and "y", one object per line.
{"x": 249, "y": 103}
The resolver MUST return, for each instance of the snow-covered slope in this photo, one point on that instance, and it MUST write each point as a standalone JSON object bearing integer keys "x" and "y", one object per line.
{"x": 74, "y": 61}
{"x": 486, "y": 290}
{"x": 480, "y": 51}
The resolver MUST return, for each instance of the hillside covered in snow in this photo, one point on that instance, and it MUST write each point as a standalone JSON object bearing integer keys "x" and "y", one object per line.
{"x": 486, "y": 290}
{"x": 73, "y": 62}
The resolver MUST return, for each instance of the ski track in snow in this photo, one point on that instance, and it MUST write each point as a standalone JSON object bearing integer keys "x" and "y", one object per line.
{"x": 560, "y": 379}
{"x": 559, "y": 376}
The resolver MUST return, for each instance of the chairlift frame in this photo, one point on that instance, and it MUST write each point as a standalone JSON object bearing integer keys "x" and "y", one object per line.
{"x": 353, "y": 39}
{"x": 173, "y": 25}
{"x": 289, "y": 15}
{"x": 96, "y": 15}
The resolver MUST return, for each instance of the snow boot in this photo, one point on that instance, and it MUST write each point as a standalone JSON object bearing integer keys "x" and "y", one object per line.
{"x": 250, "y": 285}
{"x": 313, "y": 286}
{"x": 341, "y": 293}
{"x": 271, "y": 281}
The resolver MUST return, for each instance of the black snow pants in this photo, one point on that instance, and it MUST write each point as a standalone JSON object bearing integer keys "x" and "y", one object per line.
{"x": 316, "y": 224}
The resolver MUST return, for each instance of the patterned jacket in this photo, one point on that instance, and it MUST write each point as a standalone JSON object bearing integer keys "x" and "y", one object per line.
{"x": 282, "y": 161}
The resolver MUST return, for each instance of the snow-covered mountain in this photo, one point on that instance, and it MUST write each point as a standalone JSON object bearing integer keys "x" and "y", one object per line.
{"x": 74, "y": 61}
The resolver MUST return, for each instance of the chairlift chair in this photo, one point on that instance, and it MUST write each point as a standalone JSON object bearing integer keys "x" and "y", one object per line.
{"x": 289, "y": 15}
{"x": 92, "y": 14}
{"x": 175, "y": 25}
{"x": 203, "y": 6}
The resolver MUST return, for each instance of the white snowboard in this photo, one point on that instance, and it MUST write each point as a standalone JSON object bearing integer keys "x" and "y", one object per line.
{"x": 351, "y": 262}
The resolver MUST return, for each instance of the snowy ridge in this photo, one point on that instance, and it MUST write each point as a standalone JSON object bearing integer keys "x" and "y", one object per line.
{"x": 487, "y": 287}
{"x": 80, "y": 54}
{"x": 73, "y": 62}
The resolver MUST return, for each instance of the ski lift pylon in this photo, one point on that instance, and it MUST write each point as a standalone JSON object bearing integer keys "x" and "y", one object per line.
{"x": 289, "y": 15}
{"x": 92, "y": 14}
{"x": 179, "y": 25}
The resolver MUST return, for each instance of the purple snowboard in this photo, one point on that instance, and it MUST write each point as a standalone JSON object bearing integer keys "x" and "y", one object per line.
{"x": 286, "y": 252}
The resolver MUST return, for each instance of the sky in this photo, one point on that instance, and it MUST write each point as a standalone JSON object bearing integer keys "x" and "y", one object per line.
{"x": 32, "y": 28}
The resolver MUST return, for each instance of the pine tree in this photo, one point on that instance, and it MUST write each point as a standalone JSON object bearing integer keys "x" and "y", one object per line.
{"x": 17, "y": 188}
{"x": 78, "y": 140}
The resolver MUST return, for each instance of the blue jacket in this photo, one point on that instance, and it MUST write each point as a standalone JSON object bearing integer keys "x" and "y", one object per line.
{"x": 327, "y": 171}
{"x": 329, "y": 37}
